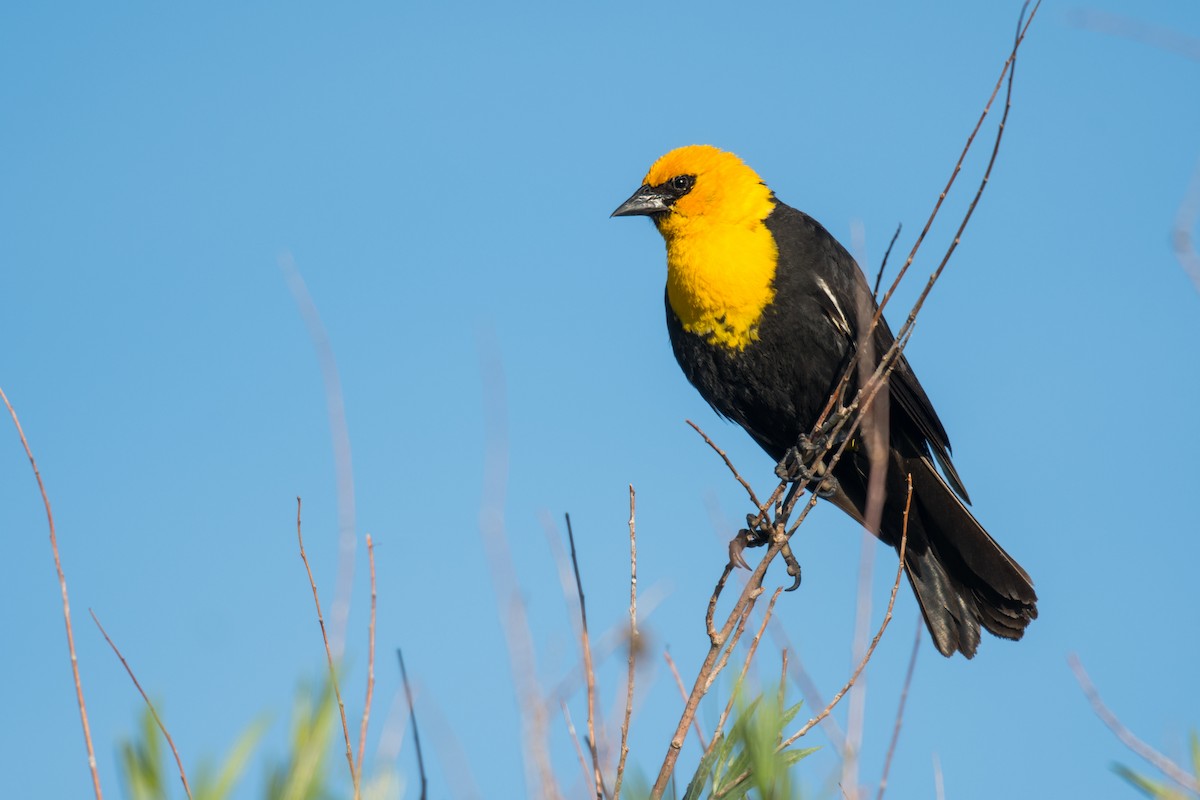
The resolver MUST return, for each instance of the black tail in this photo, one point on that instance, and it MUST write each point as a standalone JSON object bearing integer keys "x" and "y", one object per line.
{"x": 961, "y": 577}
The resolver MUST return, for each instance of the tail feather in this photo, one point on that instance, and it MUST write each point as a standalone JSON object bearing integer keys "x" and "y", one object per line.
{"x": 961, "y": 577}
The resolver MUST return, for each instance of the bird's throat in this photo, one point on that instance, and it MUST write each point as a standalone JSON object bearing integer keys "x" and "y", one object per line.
{"x": 720, "y": 278}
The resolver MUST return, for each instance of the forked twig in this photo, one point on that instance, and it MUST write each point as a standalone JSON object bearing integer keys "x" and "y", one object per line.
{"x": 908, "y": 676}
{"x": 589, "y": 672}
{"x": 412, "y": 716}
{"x": 62, "y": 584}
{"x": 366, "y": 715}
{"x": 1127, "y": 737}
{"x": 633, "y": 642}
{"x": 745, "y": 667}
{"x": 337, "y": 692}
{"x": 153, "y": 712}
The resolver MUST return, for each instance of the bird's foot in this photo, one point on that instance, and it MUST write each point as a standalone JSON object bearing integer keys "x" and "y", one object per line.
{"x": 794, "y": 468}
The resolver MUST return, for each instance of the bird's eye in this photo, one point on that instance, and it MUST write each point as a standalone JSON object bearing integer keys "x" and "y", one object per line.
{"x": 682, "y": 183}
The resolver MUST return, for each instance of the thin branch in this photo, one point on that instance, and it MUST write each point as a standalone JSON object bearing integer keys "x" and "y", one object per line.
{"x": 728, "y": 463}
{"x": 633, "y": 642}
{"x": 878, "y": 635}
{"x": 412, "y": 715}
{"x": 328, "y": 654}
{"x": 62, "y": 584}
{"x": 588, "y": 670}
{"x": 883, "y": 264}
{"x": 366, "y": 715}
{"x": 1127, "y": 737}
{"x": 908, "y": 676}
{"x": 683, "y": 693}
{"x": 154, "y": 713}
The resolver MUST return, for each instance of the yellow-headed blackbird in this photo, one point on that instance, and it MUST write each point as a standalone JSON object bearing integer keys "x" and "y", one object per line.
{"x": 765, "y": 310}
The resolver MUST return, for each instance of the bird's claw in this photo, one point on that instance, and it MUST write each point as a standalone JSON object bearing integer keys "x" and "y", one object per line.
{"x": 753, "y": 535}
{"x": 793, "y": 567}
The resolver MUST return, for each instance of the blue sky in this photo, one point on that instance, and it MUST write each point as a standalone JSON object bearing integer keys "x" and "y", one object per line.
{"x": 442, "y": 177}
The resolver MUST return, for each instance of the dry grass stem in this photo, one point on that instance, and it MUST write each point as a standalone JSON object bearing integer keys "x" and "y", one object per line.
{"x": 683, "y": 693}
{"x": 633, "y": 642}
{"x": 412, "y": 716}
{"x": 874, "y": 642}
{"x": 62, "y": 584}
{"x": 153, "y": 712}
{"x": 337, "y": 692}
{"x": 587, "y": 773}
{"x": 514, "y": 619}
{"x": 1127, "y": 737}
{"x": 908, "y": 676}
{"x": 588, "y": 670}
{"x": 343, "y": 464}
{"x": 366, "y": 715}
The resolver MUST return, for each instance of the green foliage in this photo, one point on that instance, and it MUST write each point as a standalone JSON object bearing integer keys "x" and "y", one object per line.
{"x": 1161, "y": 789}
{"x": 748, "y": 762}
{"x": 301, "y": 774}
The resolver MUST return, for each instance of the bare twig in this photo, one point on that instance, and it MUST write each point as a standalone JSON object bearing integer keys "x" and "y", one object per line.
{"x": 1127, "y": 737}
{"x": 366, "y": 715}
{"x": 153, "y": 712}
{"x": 343, "y": 464}
{"x": 633, "y": 642}
{"x": 62, "y": 584}
{"x": 683, "y": 693}
{"x": 874, "y": 642}
{"x": 412, "y": 715}
{"x": 728, "y": 463}
{"x": 883, "y": 264}
{"x": 908, "y": 676}
{"x": 337, "y": 692}
{"x": 589, "y": 672}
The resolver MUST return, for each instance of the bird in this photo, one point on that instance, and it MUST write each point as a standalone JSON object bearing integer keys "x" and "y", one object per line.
{"x": 765, "y": 309}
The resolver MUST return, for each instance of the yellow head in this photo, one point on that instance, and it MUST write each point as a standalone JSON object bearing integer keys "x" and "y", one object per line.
{"x": 710, "y": 207}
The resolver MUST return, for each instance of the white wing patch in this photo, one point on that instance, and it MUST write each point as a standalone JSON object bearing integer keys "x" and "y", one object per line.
{"x": 840, "y": 320}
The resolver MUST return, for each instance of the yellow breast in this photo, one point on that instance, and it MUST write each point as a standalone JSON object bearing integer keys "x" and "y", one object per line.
{"x": 720, "y": 277}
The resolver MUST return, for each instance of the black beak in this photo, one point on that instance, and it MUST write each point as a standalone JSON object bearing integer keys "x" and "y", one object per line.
{"x": 646, "y": 201}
